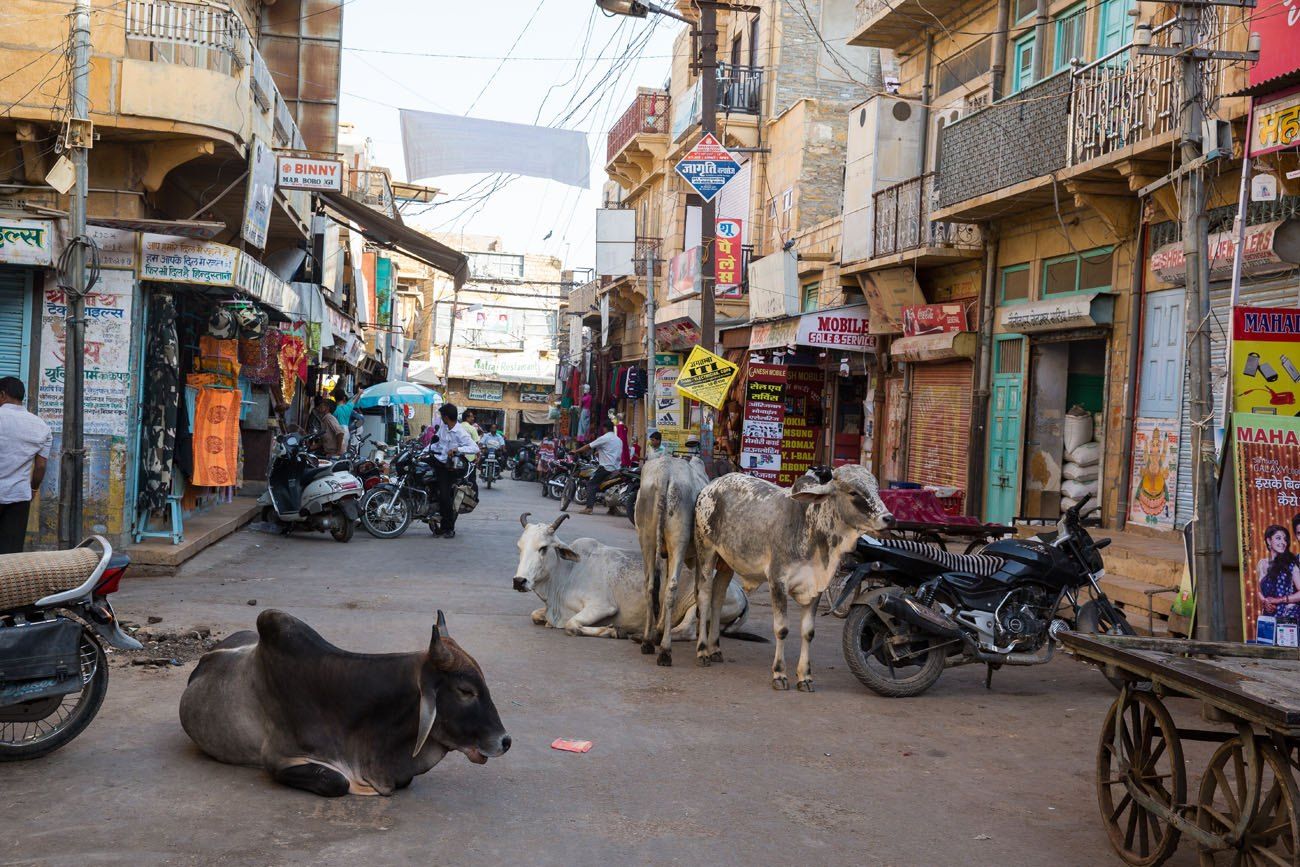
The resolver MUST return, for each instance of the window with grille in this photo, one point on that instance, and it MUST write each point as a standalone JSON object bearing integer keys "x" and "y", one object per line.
{"x": 1069, "y": 37}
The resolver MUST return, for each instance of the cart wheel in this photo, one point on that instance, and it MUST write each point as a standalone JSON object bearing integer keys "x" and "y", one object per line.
{"x": 1274, "y": 825}
{"x": 976, "y": 546}
{"x": 1140, "y": 748}
{"x": 930, "y": 539}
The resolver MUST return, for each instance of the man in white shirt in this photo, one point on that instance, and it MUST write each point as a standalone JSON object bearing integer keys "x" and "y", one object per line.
{"x": 608, "y": 449}
{"x": 449, "y": 440}
{"x": 492, "y": 439}
{"x": 25, "y": 443}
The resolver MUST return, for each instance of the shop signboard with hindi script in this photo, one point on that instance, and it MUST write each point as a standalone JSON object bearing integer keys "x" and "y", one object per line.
{"x": 1275, "y": 121}
{"x": 107, "y": 355}
{"x": 26, "y": 242}
{"x": 174, "y": 259}
{"x": 728, "y": 258}
{"x": 1267, "y": 453}
{"x": 116, "y": 246}
{"x": 764, "y": 422}
{"x": 706, "y": 377}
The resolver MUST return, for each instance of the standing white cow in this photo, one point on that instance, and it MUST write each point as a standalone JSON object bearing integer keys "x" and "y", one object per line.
{"x": 792, "y": 539}
{"x": 592, "y": 589}
{"x": 665, "y": 526}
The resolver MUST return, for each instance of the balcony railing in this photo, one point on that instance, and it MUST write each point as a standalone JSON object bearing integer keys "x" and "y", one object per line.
{"x": 189, "y": 34}
{"x": 647, "y": 247}
{"x": 372, "y": 188}
{"x": 648, "y": 113}
{"x": 1126, "y": 97}
{"x": 1016, "y": 139}
{"x": 1075, "y": 116}
{"x": 902, "y": 215}
{"x": 740, "y": 88}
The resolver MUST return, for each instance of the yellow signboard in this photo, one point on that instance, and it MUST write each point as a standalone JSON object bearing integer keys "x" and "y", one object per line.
{"x": 706, "y": 377}
{"x": 1265, "y": 359}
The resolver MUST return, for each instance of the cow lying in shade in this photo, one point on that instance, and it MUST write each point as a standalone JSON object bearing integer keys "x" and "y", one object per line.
{"x": 592, "y": 589}
{"x": 794, "y": 540}
{"x": 334, "y": 722}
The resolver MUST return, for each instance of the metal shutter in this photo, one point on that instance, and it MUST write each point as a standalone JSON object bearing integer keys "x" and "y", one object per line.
{"x": 939, "y": 428}
{"x": 15, "y": 323}
{"x": 1281, "y": 292}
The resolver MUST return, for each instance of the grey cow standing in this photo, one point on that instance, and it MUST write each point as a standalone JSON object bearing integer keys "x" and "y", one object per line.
{"x": 665, "y": 526}
{"x": 792, "y": 539}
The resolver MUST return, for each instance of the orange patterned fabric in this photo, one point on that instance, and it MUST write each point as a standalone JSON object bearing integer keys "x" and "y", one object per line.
{"x": 293, "y": 363}
{"x": 216, "y": 437}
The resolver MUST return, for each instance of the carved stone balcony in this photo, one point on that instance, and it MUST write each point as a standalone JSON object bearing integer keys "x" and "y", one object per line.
{"x": 638, "y": 143}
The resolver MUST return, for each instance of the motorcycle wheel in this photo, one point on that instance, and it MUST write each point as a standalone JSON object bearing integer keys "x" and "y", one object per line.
{"x": 864, "y": 634}
{"x": 1093, "y": 621}
{"x": 516, "y": 473}
{"x": 35, "y": 728}
{"x": 382, "y": 526}
{"x": 343, "y": 532}
{"x": 570, "y": 489}
{"x": 487, "y": 480}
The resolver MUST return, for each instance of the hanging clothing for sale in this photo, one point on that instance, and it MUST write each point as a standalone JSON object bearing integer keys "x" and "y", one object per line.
{"x": 219, "y": 356}
{"x": 293, "y": 359}
{"x": 216, "y": 437}
{"x": 159, "y": 398}
{"x": 636, "y": 383}
{"x": 260, "y": 359}
{"x": 621, "y": 430}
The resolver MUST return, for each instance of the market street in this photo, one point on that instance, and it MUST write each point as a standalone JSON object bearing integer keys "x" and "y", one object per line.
{"x": 700, "y": 766}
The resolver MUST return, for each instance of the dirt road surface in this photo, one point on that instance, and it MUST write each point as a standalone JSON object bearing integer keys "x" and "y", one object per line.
{"x": 690, "y": 766}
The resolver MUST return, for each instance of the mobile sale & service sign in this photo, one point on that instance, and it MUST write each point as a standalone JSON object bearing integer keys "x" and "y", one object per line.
{"x": 1266, "y": 360}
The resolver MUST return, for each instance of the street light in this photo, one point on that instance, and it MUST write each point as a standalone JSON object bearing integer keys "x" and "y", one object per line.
{"x": 637, "y": 9}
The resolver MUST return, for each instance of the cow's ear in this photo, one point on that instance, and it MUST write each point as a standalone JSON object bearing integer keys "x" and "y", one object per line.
{"x": 566, "y": 553}
{"x": 806, "y": 489}
{"x": 428, "y": 712}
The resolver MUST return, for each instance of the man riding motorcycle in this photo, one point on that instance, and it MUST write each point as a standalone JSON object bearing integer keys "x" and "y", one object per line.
{"x": 608, "y": 450}
{"x": 448, "y": 441}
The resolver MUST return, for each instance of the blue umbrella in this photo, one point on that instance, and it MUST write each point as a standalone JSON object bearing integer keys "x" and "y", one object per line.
{"x": 399, "y": 392}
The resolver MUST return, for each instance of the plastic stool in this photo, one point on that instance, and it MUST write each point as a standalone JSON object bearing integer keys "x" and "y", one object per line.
{"x": 177, "y": 531}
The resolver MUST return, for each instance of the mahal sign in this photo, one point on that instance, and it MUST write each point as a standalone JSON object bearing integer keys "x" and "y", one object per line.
{"x": 26, "y": 242}
{"x": 305, "y": 173}
{"x": 707, "y": 167}
{"x": 1267, "y": 247}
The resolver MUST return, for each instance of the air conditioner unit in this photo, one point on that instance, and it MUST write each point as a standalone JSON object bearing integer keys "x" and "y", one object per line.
{"x": 883, "y": 149}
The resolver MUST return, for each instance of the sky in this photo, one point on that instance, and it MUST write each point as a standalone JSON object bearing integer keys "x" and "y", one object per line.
{"x": 398, "y": 54}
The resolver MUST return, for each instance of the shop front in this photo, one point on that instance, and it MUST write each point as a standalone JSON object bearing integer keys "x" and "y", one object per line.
{"x": 1062, "y": 347}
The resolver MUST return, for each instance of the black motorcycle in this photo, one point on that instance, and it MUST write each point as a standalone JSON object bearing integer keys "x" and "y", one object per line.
{"x": 55, "y": 619}
{"x": 489, "y": 470}
{"x": 612, "y": 492}
{"x": 917, "y": 608}
{"x": 523, "y": 464}
{"x": 388, "y": 509}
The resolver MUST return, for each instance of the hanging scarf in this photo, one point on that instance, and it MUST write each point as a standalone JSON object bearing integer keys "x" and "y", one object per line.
{"x": 160, "y": 395}
{"x": 261, "y": 358}
{"x": 216, "y": 437}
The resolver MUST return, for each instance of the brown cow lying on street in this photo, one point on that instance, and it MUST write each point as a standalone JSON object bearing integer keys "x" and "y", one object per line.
{"x": 334, "y": 722}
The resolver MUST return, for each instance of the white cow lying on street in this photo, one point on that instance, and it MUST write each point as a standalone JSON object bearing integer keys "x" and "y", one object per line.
{"x": 593, "y": 589}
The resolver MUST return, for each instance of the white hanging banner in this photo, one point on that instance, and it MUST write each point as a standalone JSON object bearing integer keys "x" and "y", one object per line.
{"x": 437, "y": 145}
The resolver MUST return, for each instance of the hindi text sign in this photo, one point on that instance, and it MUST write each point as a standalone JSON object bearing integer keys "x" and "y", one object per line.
{"x": 706, "y": 377}
{"x": 707, "y": 167}
{"x": 727, "y": 258}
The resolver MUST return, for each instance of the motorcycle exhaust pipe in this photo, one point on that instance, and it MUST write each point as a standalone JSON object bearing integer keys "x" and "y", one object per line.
{"x": 907, "y": 609}
{"x": 1038, "y": 658}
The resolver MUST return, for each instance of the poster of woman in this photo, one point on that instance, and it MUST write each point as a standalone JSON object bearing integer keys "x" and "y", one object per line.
{"x": 1268, "y": 512}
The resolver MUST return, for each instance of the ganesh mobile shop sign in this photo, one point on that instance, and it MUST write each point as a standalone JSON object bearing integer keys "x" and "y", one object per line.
{"x": 308, "y": 173}
{"x": 706, "y": 377}
{"x": 1267, "y": 453}
{"x": 26, "y": 242}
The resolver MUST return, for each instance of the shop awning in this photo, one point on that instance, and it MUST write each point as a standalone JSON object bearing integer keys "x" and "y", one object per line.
{"x": 1059, "y": 314}
{"x": 935, "y": 347}
{"x": 390, "y": 233}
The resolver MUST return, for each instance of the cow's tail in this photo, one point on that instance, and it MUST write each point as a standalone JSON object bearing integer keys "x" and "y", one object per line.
{"x": 741, "y": 635}
{"x": 660, "y": 518}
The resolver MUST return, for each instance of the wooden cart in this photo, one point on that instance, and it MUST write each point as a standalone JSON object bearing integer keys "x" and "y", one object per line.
{"x": 1246, "y": 807}
{"x": 920, "y": 517}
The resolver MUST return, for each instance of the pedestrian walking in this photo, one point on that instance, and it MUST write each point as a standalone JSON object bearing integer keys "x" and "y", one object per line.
{"x": 25, "y": 442}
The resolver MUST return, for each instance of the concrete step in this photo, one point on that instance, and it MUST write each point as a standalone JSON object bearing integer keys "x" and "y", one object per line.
{"x": 160, "y": 556}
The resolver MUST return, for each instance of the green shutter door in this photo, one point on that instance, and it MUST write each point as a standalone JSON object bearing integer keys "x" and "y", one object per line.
{"x": 15, "y": 323}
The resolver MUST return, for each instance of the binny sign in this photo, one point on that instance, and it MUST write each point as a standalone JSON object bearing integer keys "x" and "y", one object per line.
{"x": 306, "y": 173}
{"x": 847, "y": 328}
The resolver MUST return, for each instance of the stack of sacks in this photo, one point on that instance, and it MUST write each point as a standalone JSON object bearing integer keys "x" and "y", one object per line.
{"x": 1082, "y": 458}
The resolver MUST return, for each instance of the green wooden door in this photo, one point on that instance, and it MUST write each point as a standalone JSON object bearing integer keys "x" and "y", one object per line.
{"x": 1002, "y": 494}
{"x": 1115, "y": 27}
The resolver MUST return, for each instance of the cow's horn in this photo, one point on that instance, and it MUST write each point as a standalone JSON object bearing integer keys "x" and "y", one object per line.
{"x": 442, "y": 622}
{"x": 523, "y": 520}
{"x": 558, "y": 521}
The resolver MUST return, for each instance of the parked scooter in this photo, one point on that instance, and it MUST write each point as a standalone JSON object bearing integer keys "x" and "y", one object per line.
{"x": 55, "y": 618}
{"x": 924, "y": 608}
{"x": 303, "y": 492}
{"x": 523, "y": 465}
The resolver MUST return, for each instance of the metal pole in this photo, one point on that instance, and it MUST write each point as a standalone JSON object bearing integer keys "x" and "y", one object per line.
{"x": 1206, "y": 574}
{"x": 708, "y": 214}
{"x": 72, "y": 458}
{"x": 650, "y": 411}
{"x": 451, "y": 333}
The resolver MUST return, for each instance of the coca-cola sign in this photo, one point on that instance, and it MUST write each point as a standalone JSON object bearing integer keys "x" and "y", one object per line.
{"x": 933, "y": 319}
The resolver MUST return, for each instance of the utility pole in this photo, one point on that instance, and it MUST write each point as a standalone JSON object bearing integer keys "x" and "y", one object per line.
{"x": 1206, "y": 566}
{"x": 451, "y": 333}
{"x": 72, "y": 459}
{"x": 708, "y": 70}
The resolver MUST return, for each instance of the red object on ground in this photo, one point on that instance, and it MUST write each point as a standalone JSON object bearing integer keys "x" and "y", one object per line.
{"x": 571, "y": 746}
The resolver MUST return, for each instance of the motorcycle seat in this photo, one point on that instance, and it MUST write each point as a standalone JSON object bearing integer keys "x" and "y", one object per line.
{"x": 25, "y": 578}
{"x": 318, "y": 473}
{"x": 341, "y": 467}
{"x": 977, "y": 564}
